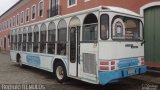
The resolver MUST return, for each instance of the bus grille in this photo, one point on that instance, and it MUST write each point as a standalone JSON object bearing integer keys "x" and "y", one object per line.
{"x": 89, "y": 63}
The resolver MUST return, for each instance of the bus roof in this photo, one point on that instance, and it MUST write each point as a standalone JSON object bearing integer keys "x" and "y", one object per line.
{"x": 99, "y": 8}
{"x": 120, "y": 10}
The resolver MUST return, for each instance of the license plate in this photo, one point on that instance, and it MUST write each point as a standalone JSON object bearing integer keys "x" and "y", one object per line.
{"x": 131, "y": 71}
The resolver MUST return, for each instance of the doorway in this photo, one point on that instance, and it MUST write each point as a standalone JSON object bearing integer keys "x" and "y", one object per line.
{"x": 152, "y": 34}
{"x": 74, "y": 46}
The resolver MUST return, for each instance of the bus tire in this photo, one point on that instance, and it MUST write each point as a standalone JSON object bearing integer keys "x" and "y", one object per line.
{"x": 60, "y": 72}
{"x": 19, "y": 61}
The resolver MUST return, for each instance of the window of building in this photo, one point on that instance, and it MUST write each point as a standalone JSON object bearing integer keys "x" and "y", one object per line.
{"x": 43, "y": 36}
{"x": 90, "y": 29}
{"x": 14, "y": 20}
{"x": 86, "y": 0}
{"x": 4, "y": 42}
{"x": 51, "y": 38}
{"x": 11, "y": 22}
{"x": 29, "y": 42}
{"x": 54, "y": 8}
{"x": 41, "y": 8}
{"x": 33, "y": 12}
{"x": 5, "y": 24}
{"x": 62, "y": 35}
{"x": 12, "y": 40}
{"x": 8, "y": 23}
{"x": 27, "y": 15}
{"x": 36, "y": 39}
{"x": 9, "y": 41}
{"x": 0, "y": 27}
{"x": 22, "y": 17}
{"x": 17, "y": 19}
{"x": 0, "y": 43}
{"x": 104, "y": 27}
{"x": 72, "y": 3}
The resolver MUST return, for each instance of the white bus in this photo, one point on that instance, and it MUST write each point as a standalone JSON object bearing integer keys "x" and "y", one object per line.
{"x": 98, "y": 45}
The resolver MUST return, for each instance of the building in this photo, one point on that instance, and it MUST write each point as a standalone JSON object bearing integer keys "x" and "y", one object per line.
{"x": 29, "y": 11}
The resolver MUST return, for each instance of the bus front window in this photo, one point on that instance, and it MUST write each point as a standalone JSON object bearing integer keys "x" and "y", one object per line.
{"x": 104, "y": 27}
{"x": 125, "y": 28}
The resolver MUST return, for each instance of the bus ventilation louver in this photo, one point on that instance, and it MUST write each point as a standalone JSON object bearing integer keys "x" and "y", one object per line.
{"x": 89, "y": 63}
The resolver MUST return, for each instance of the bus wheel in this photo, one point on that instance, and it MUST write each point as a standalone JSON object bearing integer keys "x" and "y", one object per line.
{"x": 19, "y": 61}
{"x": 60, "y": 72}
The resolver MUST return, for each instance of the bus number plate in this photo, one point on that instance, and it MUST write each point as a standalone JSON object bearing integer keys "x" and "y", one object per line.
{"x": 131, "y": 71}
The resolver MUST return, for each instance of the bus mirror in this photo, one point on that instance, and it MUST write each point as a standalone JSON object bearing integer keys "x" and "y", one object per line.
{"x": 143, "y": 42}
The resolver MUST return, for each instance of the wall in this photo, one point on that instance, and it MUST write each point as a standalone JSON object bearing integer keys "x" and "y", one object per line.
{"x": 133, "y": 5}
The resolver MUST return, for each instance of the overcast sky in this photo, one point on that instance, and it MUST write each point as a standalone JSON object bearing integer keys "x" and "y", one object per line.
{"x": 6, "y": 4}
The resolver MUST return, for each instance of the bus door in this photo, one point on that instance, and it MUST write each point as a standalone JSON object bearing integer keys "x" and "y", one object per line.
{"x": 74, "y": 38}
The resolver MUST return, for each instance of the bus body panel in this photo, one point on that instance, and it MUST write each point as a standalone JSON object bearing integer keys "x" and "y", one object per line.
{"x": 117, "y": 50}
{"x": 88, "y": 51}
{"x": 41, "y": 61}
{"x": 109, "y": 76}
{"x": 126, "y": 54}
{"x": 13, "y": 56}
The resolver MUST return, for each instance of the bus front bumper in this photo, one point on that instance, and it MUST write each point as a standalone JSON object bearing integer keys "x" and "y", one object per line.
{"x": 107, "y": 76}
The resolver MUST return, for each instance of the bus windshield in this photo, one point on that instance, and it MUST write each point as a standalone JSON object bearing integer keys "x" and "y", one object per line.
{"x": 128, "y": 29}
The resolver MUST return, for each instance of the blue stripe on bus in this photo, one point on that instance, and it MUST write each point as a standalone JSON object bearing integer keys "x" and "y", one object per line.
{"x": 128, "y": 62}
{"x": 109, "y": 76}
{"x": 33, "y": 60}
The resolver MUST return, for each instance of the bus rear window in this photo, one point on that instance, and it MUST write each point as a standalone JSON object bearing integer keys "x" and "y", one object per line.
{"x": 125, "y": 28}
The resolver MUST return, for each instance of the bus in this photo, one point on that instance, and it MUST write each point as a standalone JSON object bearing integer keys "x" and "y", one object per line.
{"x": 98, "y": 45}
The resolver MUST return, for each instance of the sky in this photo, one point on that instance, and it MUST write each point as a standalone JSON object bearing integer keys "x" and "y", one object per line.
{"x": 6, "y": 4}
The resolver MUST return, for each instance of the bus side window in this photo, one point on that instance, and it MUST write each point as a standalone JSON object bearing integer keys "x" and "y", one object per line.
{"x": 24, "y": 40}
{"x": 61, "y": 50}
{"x": 43, "y": 34}
{"x": 29, "y": 42}
{"x": 104, "y": 27}
{"x": 51, "y": 38}
{"x": 19, "y": 40}
{"x": 36, "y": 39}
{"x": 12, "y": 40}
{"x": 15, "y": 42}
{"x": 62, "y": 35}
{"x": 90, "y": 29}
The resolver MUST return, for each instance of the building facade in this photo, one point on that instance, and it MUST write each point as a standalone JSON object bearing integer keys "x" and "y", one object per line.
{"x": 26, "y": 12}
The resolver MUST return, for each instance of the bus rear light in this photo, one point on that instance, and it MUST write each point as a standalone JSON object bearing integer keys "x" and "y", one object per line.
{"x": 107, "y": 65}
{"x": 104, "y": 63}
{"x": 104, "y": 68}
{"x": 113, "y": 62}
{"x": 112, "y": 67}
{"x": 142, "y": 60}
